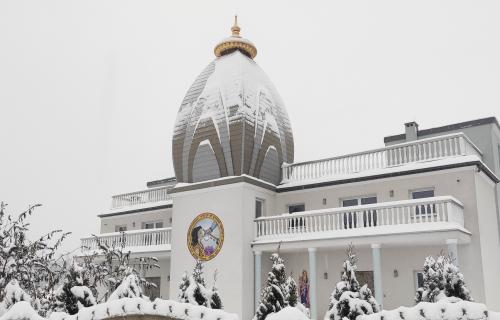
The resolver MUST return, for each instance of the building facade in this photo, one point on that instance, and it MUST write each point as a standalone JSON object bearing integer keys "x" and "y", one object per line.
{"x": 238, "y": 196}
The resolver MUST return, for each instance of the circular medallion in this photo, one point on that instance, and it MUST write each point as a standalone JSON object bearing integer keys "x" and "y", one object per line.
{"x": 205, "y": 236}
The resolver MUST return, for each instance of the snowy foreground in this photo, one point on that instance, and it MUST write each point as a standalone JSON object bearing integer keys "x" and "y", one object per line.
{"x": 126, "y": 306}
{"x": 442, "y": 310}
{"x": 446, "y": 309}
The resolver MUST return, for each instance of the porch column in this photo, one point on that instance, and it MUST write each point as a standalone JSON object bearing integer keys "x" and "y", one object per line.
{"x": 377, "y": 274}
{"x": 258, "y": 276}
{"x": 453, "y": 250}
{"x": 312, "y": 283}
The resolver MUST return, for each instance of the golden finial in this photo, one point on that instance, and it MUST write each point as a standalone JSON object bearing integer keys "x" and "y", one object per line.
{"x": 235, "y": 42}
{"x": 235, "y": 28}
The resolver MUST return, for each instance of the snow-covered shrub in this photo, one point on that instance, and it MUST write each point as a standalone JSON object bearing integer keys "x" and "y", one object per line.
{"x": 129, "y": 288}
{"x": 348, "y": 300}
{"x": 74, "y": 293}
{"x": 193, "y": 289}
{"x": 291, "y": 290}
{"x": 442, "y": 279}
{"x": 14, "y": 294}
{"x": 31, "y": 263}
{"x": 445, "y": 309}
{"x": 278, "y": 292}
{"x": 111, "y": 264}
{"x": 288, "y": 313}
{"x": 215, "y": 299}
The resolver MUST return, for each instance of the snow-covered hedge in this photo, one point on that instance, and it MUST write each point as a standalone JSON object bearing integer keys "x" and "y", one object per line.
{"x": 446, "y": 309}
{"x": 288, "y": 313}
{"x": 122, "y": 307}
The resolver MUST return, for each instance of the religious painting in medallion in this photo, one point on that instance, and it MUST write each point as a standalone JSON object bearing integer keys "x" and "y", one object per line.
{"x": 205, "y": 236}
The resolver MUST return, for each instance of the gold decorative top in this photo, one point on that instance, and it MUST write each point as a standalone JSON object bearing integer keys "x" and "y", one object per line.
{"x": 235, "y": 42}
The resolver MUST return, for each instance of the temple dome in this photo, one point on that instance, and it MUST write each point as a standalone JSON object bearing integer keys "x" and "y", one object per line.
{"x": 232, "y": 121}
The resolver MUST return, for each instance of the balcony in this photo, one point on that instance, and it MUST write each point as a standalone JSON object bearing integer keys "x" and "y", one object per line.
{"x": 389, "y": 218}
{"x": 436, "y": 148}
{"x": 136, "y": 241}
{"x": 148, "y": 196}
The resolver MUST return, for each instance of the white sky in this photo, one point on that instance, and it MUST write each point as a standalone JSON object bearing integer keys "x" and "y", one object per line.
{"x": 89, "y": 90}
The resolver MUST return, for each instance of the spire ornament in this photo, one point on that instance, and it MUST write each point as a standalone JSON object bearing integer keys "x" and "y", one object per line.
{"x": 235, "y": 42}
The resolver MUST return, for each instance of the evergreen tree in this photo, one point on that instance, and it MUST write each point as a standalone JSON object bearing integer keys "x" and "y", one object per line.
{"x": 348, "y": 300}
{"x": 292, "y": 291}
{"x": 273, "y": 297}
{"x": 215, "y": 300}
{"x": 183, "y": 286}
{"x": 442, "y": 279}
{"x": 199, "y": 291}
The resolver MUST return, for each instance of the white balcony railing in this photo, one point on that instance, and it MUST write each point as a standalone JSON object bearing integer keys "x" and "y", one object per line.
{"x": 407, "y": 212}
{"x": 133, "y": 239}
{"x": 139, "y": 197}
{"x": 420, "y": 150}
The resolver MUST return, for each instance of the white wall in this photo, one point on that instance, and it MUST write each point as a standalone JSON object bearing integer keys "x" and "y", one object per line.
{"x": 234, "y": 204}
{"x": 489, "y": 240}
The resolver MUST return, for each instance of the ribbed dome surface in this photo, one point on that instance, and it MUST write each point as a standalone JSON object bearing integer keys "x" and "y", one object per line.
{"x": 232, "y": 121}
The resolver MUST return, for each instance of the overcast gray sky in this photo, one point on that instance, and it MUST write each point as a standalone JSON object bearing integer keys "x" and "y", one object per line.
{"x": 89, "y": 90}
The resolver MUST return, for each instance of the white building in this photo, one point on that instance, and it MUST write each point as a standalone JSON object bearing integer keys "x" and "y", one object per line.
{"x": 238, "y": 194}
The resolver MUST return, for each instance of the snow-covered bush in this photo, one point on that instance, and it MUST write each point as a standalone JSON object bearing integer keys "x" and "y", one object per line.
{"x": 129, "y": 288}
{"x": 288, "y": 313}
{"x": 280, "y": 292}
{"x": 14, "y": 294}
{"x": 31, "y": 263}
{"x": 74, "y": 293}
{"x": 194, "y": 291}
{"x": 442, "y": 279}
{"x": 348, "y": 300}
{"x": 111, "y": 264}
{"x": 165, "y": 309}
{"x": 445, "y": 309}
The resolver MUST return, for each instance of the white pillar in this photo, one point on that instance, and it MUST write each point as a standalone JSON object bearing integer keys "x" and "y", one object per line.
{"x": 377, "y": 274}
{"x": 453, "y": 250}
{"x": 258, "y": 276}
{"x": 312, "y": 283}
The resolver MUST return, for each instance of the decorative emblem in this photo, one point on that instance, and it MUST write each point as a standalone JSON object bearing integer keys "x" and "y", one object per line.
{"x": 205, "y": 236}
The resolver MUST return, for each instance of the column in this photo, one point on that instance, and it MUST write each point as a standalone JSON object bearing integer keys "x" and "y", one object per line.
{"x": 312, "y": 283}
{"x": 453, "y": 250}
{"x": 377, "y": 274}
{"x": 258, "y": 276}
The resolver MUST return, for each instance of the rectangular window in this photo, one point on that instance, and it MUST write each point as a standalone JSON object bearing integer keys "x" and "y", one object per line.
{"x": 499, "y": 155}
{"x": 260, "y": 207}
{"x": 297, "y": 222}
{"x": 422, "y": 194}
{"x": 121, "y": 228}
{"x": 369, "y": 217}
{"x": 152, "y": 225}
{"x": 419, "y": 279}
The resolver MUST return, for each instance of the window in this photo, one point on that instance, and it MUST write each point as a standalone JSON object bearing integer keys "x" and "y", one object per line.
{"x": 294, "y": 208}
{"x": 152, "y": 225}
{"x": 121, "y": 228}
{"x": 149, "y": 238}
{"x": 369, "y": 217}
{"x": 499, "y": 154}
{"x": 419, "y": 279}
{"x": 153, "y": 292}
{"x": 422, "y": 194}
{"x": 260, "y": 207}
